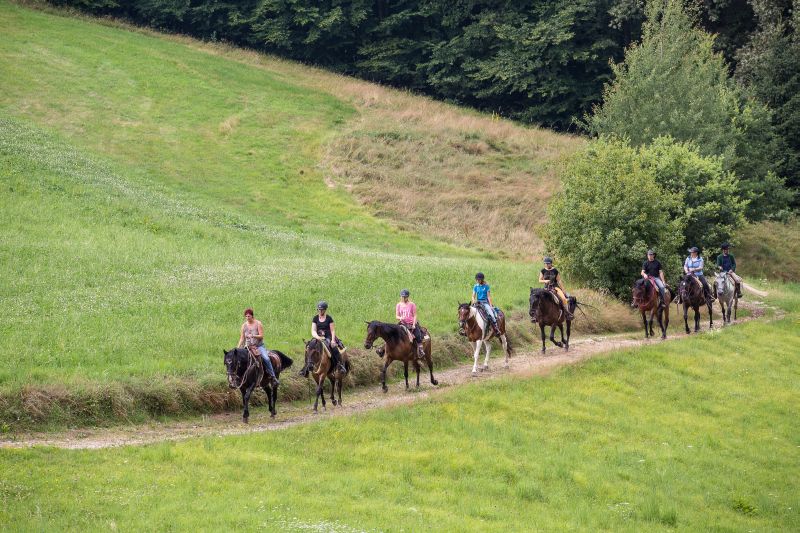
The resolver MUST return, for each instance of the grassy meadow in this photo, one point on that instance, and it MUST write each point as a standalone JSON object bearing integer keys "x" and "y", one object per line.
{"x": 153, "y": 187}
{"x": 698, "y": 434}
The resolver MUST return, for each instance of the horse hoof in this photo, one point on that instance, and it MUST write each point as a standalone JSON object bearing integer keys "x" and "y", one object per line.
{"x": 245, "y": 420}
{"x": 435, "y": 381}
{"x": 484, "y": 368}
{"x": 333, "y": 401}
{"x": 272, "y": 415}
{"x": 566, "y": 347}
{"x": 385, "y": 389}
{"x": 474, "y": 373}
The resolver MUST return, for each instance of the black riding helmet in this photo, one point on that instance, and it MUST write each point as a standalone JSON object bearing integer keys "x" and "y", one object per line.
{"x": 725, "y": 246}
{"x": 322, "y": 305}
{"x": 694, "y": 249}
{"x": 651, "y": 252}
{"x": 548, "y": 260}
{"x": 479, "y": 276}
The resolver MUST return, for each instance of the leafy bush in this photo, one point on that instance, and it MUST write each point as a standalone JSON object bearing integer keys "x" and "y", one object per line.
{"x": 619, "y": 200}
{"x": 609, "y": 213}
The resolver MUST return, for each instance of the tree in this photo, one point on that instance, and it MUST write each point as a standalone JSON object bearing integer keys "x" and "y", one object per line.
{"x": 610, "y": 211}
{"x": 673, "y": 83}
{"x": 770, "y": 66}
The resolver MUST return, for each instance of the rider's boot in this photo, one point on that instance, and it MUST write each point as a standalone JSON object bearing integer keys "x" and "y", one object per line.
{"x": 663, "y": 300}
{"x": 274, "y": 381}
{"x": 420, "y": 350}
{"x": 738, "y": 287}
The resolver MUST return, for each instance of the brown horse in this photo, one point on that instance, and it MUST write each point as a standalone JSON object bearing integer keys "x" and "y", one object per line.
{"x": 398, "y": 347}
{"x": 319, "y": 363}
{"x": 246, "y": 372}
{"x": 475, "y": 327}
{"x": 692, "y": 295}
{"x": 546, "y": 310}
{"x": 645, "y": 298}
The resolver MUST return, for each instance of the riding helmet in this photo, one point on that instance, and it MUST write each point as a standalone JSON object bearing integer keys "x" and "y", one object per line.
{"x": 479, "y": 275}
{"x": 322, "y": 305}
{"x": 405, "y": 293}
{"x": 725, "y": 246}
{"x": 650, "y": 252}
{"x": 548, "y": 260}
{"x": 694, "y": 249}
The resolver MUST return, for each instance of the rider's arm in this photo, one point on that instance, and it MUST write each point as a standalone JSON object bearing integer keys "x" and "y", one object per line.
{"x": 474, "y": 297}
{"x": 241, "y": 338}
{"x": 314, "y": 331}
{"x": 541, "y": 278}
{"x": 397, "y": 312}
{"x": 644, "y": 274}
{"x": 733, "y": 264}
{"x": 259, "y": 332}
{"x": 701, "y": 265}
{"x": 661, "y": 275}
{"x": 686, "y": 266}
{"x": 489, "y": 297}
{"x": 333, "y": 333}
{"x": 414, "y": 314}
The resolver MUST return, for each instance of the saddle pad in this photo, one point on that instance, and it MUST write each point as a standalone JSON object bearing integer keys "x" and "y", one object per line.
{"x": 275, "y": 360}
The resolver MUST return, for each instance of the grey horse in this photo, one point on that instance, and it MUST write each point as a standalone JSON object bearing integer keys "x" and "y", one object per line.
{"x": 726, "y": 294}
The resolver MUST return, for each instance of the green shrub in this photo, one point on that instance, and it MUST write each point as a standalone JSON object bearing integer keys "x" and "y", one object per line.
{"x": 610, "y": 211}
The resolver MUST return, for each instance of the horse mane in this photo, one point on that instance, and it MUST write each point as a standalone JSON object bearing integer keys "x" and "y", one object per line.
{"x": 394, "y": 330}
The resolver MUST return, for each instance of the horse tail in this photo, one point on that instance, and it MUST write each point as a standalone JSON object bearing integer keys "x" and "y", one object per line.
{"x": 286, "y": 361}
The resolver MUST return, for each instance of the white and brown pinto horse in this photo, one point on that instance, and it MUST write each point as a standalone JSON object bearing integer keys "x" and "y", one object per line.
{"x": 476, "y": 328}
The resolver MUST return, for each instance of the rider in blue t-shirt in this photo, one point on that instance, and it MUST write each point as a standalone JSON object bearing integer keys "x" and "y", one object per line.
{"x": 482, "y": 295}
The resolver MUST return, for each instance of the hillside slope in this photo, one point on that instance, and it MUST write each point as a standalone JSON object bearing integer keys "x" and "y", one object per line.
{"x": 152, "y": 188}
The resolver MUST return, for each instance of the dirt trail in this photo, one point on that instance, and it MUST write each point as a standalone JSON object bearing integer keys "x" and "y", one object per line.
{"x": 355, "y": 401}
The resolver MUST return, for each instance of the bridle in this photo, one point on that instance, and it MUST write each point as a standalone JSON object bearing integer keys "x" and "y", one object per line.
{"x": 237, "y": 362}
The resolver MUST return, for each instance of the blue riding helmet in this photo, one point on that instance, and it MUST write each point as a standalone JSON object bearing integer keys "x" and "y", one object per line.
{"x": 694, "y": 249}
{"x": 322, "y": 305}
{"x": 479, "y": 275}
{"x": 405, "y": 293}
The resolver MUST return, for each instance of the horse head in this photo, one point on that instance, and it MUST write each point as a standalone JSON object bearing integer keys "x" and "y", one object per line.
{"x": 720, "y": 283}
{"x": 464, "y": 314}
{"x": 231, "y": 361}
{"x": 372, "y": 334}
{"x": 639, "y": 291}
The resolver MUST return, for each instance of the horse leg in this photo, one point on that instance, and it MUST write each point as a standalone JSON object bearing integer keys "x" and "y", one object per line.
{"x": 405, "y": 372}
{"x": 666, "y": 321}
{"x": 553, "y": 336}
{"x": 686, "y": 316}
{"x": 735, "y": 307}
{"x": 332, "y": 379}
{"x": 710, "y": 317}
{"x": 429, "y": 362}
{"x": 246, "y": 401}
{"x": 316, "y": 395}
{"x": 697, "y": 318}
{"x": 569, "y": 328}
{"x": 270, "y": 401}
{"x": 652, "y": 313}
{"x": 339, "y": 386}
{"x": 475, "y": 357}
{"x": 383, "y": 373}
{"x": 488, "y": 348}
{"x": 561, "y": 330}
{"x": 417, "y": 368}
{"x": 274, "y": 402}
{"x": 659, "y": 315}
{"x": 504, "y": 340}
{"x": 541, "y": 327}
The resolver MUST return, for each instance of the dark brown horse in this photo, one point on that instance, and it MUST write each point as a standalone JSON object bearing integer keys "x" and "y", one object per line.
{"x": 245, "y": 372}
{"x": 645, "y": 298}
{"x": 475, "y": 327}
{"x": 319, "y": 364}
{"x": 692, "y": 295}
{"x": 398, "y": 347}
{"x": 546, "y": 310}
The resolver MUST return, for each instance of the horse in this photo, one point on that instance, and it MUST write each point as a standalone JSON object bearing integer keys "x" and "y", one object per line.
{"x": 319, "y": 363}
{"x": 398, "y": 347}
{"x": 245, "y": 372}
{"x": 645, "y": 298}
{"x": 726, "y": 294}
{"x": 692, "y": 295}
{"x": 545, "y": 309}
{"x": 476, "y": 328}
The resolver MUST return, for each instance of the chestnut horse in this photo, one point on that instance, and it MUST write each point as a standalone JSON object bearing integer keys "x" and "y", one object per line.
{"x": 546, "y": 310}
{"x": 475, "y": 327}
{"x": 692, "y": 295}
{"x": 245, "y": 372}
{"x": 645, "y": 298}
{"x": 319, "y": 363}
{"x": 398, "y": 347}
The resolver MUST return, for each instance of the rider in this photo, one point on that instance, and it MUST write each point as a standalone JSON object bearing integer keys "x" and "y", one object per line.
{"x": 482, "y": 295}
{"x": 323, "y": 329}
{"x": 727, "y": 263}
{"x": 406, "y": 313}
{"x": 651, "y": 269}
{"x": 252, "y": 334}
{"x": 693, "y": 266}
{"x": 550, "y": 276}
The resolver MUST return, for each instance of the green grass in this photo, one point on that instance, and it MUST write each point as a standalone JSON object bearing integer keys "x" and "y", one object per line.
{"x": 769, "y": 251}
{"x": 698, "y": 434}
{"x": 149, "y": 192}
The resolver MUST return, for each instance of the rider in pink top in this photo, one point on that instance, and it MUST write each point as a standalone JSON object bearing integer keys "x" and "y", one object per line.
{"x": 406, "y": 313}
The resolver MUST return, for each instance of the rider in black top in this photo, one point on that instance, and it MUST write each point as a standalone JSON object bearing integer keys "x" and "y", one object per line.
{"x": 324, "y": 330}
{"x": 651, "y": 268}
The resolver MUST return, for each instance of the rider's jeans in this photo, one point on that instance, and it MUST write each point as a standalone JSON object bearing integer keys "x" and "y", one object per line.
{"x": 659, "y": 283}
{"x": 267, "y": 363}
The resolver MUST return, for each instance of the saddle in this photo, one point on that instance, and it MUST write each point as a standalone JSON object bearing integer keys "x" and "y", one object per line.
{"x": 273, "y": 358}
{"x": 483, "y": 313}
